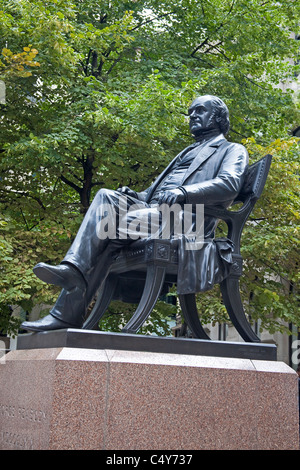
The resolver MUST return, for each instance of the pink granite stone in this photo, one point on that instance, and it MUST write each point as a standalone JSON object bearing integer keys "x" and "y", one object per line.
{"x": 26, "y": 390}
{"x": 69, "y": 398}
{"x": 172, "y": 406}
{"x": 78, "y": 408}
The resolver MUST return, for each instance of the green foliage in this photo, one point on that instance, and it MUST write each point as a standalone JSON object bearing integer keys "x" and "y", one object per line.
{"x": 96, "y": 96}
{"x": 271, "y": 240}
{"x": 20, "y": 250}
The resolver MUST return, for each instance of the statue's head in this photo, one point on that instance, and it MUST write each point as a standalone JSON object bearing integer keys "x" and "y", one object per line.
{"x": 208, "y": 113}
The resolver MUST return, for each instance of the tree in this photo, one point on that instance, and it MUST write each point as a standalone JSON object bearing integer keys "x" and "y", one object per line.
{"x": 101, "y": 102}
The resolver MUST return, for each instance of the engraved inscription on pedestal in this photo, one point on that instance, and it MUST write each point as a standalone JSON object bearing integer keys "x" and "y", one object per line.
{"x": 20, "y": 426}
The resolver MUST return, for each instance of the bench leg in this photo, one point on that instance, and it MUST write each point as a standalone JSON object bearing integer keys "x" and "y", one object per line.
{"x": 153, "y": 285}
{"x": 230, "y": 289}
{"x": 104, "y": 298}
{"x": 190, "y": 313}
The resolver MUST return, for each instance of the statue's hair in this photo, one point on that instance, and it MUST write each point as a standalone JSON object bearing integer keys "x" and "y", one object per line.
{"x": 221, "y": 114}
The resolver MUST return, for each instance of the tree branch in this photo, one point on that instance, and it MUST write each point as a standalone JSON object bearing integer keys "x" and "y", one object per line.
{"x": 26, "y": 194}
{"x": 73, "y": 174}
{"x": 151, "y": 20}
{"x": 215, "y": 31}
{"x": 70, "y": 183}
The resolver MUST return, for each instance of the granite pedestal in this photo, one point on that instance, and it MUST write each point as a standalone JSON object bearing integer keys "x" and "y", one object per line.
{"x": 68, "y": 397}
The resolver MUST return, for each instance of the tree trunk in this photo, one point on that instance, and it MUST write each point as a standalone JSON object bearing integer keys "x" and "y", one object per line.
{"x": 85, "y": 193}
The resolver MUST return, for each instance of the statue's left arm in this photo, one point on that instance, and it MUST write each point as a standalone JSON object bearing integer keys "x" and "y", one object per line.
{"x": 225, "y": 185}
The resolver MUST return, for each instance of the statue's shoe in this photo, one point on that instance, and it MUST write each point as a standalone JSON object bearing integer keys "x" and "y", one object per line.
{"x": 68, "y": 312}
{"x": 45, "y": 324}
{"x": 63, "y": 275}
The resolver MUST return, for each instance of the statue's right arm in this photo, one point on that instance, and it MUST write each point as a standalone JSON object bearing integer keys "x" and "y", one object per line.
{"x": 141, "y": 196}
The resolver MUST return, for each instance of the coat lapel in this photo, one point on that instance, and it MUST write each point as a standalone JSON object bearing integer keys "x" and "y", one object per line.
{"x": 203, "y": 155}
{"x": 168, "y": 169}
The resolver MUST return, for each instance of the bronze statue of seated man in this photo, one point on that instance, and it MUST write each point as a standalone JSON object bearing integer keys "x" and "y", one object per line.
{"x": 211, "y": 172}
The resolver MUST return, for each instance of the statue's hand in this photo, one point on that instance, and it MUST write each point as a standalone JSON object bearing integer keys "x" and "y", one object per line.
{"x": 127, "y": 191}
{"x": 172, "y": 196}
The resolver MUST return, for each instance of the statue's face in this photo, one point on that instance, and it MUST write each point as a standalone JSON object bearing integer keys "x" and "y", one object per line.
{"x": 201, "y": 114}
